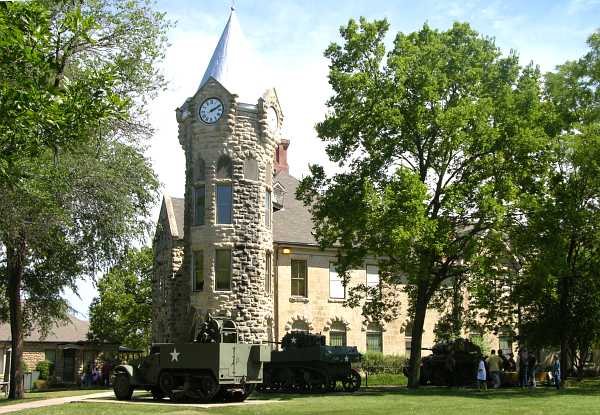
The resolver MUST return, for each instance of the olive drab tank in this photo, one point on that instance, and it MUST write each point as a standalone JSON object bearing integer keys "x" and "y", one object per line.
{"x": 215, "y": 367}
{"x": 306, "y": 364}
{"x": 452, "y": 363}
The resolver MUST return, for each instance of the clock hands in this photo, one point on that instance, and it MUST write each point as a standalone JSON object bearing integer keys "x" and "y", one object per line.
{"x": 214, "y": 108}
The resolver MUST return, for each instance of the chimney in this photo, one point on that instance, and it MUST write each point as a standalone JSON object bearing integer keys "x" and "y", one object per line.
{"x": 281, "y": 157}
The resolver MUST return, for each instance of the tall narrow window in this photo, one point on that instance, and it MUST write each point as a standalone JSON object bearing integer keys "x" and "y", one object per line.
{"x": 268, "y": 208}
{"x": 337, "y": 334}
{"x": 372, "y": 280}
{"x": 200, "y": 170}
{"x": 374, "y": 338}
{"x": 199, "y": 204}
{"x": 198, "y": 271}
{"x": 224, "y": 203}
{"x": 223, "y": 269}
{"x": 268, "y": 272}
{"x": 224, "y": 168}
{"x": 298, "y": 278}
{"x": 408, "y": 338}
{"x": 505, "y": 342}
{"x": 336, "y": 284}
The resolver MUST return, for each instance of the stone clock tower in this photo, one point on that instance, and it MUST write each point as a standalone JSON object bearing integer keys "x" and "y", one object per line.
{"x": 229, "y": 130}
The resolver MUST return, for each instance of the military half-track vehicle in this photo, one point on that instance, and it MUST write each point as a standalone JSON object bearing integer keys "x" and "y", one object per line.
{"x": 215, "y": 367}
{"x": 452, "y": 363}
{"x": 306, "y": 364}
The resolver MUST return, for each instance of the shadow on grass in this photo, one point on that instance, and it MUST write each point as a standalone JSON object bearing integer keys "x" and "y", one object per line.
{"x": 590, "y": 387}
{"x": 503, "y": 393}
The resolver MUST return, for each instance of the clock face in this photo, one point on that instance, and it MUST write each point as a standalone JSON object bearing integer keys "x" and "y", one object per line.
{"x": 272, "y": 119}
{"x": 211, "y": 110}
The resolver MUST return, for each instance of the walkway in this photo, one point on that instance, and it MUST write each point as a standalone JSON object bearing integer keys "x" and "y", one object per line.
{"x": 108, "y": 397}
{"x": 52, "y": 401}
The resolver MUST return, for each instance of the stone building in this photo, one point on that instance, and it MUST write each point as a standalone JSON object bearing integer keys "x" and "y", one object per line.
{"x": 239, "y": 244}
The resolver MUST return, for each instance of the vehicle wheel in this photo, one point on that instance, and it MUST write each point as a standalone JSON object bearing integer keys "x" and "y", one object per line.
{"x": 208, "y": 388}
{"x": 352, "y": 382}
{"x": 332, "y": 385}
{"x": 157, "y": 393}
{"x": 247, "y": 390}
{"x": 166, "y": 383}
{"x": 122, "y": 387}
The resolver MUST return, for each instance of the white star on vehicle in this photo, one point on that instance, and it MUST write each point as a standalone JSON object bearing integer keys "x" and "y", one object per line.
{"x": 345, "y": 358}
{"x": 174, "y": 355}
{"x": 293, "y": 340}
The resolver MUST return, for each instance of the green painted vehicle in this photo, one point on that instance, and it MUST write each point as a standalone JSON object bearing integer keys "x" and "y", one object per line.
{"x": 213, "y": 368}
{"x": 307, "y": 364}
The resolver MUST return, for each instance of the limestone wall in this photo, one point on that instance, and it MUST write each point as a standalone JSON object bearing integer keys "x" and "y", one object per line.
{"x": 320, "y": 311}
{"x": 240, "y": 134}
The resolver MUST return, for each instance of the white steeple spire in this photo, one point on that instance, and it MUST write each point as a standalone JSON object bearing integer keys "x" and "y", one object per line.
{"x": 235, "y": 65}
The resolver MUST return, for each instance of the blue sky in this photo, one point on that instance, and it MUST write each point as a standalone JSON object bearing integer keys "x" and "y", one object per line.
{"x": 290, "y": 37}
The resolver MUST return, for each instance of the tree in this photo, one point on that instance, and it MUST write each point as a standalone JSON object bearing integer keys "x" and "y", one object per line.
{"x": 561, "y": 224}
{"x": 550, "y": 243}
{"x": 431, "y": 141}
{"x": 76, "y": 187}
{"x": 122, "y": 312}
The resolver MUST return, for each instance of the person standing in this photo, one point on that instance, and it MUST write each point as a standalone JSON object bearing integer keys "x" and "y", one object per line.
{"x": 523, "y": 367}
{"x": 532, "y": 363}
{"x": 481, "y": 375}
{"x": 504, "y": 365}
{"x": 511, "y": 364}
{"x": 494, "y": 363}
{"x": 556, "y": 371}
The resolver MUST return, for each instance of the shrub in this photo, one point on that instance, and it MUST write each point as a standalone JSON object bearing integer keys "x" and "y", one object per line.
{"x": 45, "y": 368}
{"x": 40, "y": 385}
{"x": 383, "y": 363}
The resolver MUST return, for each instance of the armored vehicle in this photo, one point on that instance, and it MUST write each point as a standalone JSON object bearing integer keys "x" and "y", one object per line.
{"x": 306, "y": 364}
{"x": 215, "y": 367}
{"x": 452, "y": 363}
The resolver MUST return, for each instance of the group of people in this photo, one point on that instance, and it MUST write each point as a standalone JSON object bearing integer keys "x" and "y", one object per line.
{"x": 96, "y": 376}
{"x": 528, "y": 367}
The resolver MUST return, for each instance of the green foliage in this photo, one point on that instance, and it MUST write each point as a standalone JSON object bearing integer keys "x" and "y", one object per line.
{"x": 387, "y": 379}
{"x": 122, "y": 312}
{"x": 76, "y": 187}
{"x": 40, "y": 384}
{"x": 379, "y": 363}
{"x": 433, "y": 140}
{"x": 46, "y": 368}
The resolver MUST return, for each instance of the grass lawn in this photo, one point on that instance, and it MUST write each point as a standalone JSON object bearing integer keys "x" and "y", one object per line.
{"x": 580, "y": 399}
{"x": 39, "y": 395}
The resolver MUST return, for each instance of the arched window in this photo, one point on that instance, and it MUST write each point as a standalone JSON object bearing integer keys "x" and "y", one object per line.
{"x": 337, "y": 334}
{"x": 300, "y": 325}
{"x": 224, "y": 168}
{"x": 374, "y": 338}
{"x": 200, "y": 170}
{"x": 408, "y": 338}
{"x": 250, "y": 169}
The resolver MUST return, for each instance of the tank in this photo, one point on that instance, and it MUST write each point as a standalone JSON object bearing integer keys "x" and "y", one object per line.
{"x": 214, "y": 367}
{"x": 452, "y": 363}
{"x": 306, "y": 364}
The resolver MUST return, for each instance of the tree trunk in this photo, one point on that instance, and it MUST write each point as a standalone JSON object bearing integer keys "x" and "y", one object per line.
{"x": 417, "y": 337}
{"x": 563, "y": 292}
{"x": 15, "y": 254}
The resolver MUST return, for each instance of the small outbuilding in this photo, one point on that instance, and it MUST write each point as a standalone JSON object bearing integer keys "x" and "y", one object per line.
{"x": 66, "y": 346}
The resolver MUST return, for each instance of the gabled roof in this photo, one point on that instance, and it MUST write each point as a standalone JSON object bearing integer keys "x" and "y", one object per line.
{"x": 292, "y": 224}
{"x": 172, "y": 215}
{"x": 235, "y": 65}
{"x": 73, "y": 331}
